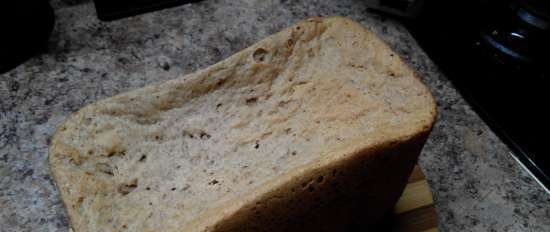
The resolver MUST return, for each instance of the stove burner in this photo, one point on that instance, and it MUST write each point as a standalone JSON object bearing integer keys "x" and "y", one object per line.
{"x": 496, "y": 59}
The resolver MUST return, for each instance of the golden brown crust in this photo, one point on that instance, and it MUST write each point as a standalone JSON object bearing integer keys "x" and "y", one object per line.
{"x": 326, "y": 87}
{"x": 332, "y": 196}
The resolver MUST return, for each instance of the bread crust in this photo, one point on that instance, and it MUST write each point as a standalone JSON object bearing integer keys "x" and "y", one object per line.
{"x": 355, "y": 189}
{"x": 364, "y": 175}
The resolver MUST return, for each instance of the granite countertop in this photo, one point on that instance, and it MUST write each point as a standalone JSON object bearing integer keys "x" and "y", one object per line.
{"x": 476, "y": 184}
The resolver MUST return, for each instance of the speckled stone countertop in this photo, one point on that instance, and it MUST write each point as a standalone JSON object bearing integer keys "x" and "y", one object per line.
{"x": 476, "y": 184}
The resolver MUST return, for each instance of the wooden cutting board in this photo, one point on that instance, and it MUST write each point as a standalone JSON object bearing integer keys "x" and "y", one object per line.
{"x": 415, "y": 211}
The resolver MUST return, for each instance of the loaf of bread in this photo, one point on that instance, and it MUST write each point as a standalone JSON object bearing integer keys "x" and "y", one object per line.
{"x": 320, "y": 117}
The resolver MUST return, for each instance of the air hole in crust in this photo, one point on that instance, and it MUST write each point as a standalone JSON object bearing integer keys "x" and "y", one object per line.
{"x": 259, "y": 55}
{"x": 213, "y": 182}
{"x": 251, "y": 100}
{"x": 320, "y": 179}
{"x": 220, "y": 82}
{"x": 126, "y": 188}
{"x": 204, "y": 135}
{"x": 105, "y": 168}
{"x": 116, "y": 152}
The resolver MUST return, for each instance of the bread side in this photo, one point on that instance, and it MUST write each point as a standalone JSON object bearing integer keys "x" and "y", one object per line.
{"x": 321, "y": 112}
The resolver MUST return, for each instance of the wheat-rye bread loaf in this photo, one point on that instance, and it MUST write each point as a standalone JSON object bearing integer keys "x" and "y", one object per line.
{"x": 322, "y": 115}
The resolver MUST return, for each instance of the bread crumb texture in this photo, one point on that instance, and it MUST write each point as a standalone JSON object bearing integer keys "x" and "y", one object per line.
{"x": 198, "y": 152}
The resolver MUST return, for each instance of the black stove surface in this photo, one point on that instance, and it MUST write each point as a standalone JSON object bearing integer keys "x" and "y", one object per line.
{"x": 509, "y": 93}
